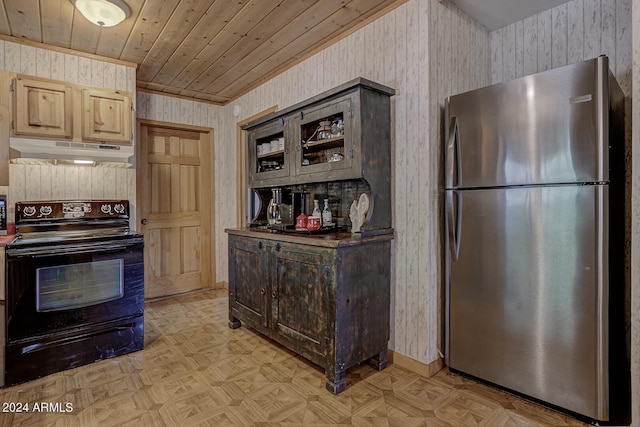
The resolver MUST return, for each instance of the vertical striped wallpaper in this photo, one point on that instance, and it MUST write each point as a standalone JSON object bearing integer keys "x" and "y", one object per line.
{"x": 572, "y": 32}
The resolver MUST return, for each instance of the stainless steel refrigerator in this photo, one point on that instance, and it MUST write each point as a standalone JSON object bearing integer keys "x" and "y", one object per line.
{"x": 535, "y": 207}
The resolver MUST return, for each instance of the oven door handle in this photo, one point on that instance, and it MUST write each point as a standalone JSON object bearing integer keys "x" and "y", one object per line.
{"x": 72, "y": 249}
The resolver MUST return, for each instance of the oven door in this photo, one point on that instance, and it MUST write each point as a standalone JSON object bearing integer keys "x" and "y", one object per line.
{"x": 52, "y": 289}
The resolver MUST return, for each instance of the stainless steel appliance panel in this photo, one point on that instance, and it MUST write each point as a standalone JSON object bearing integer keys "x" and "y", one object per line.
{"x": 545, "y": 128}
{"x": 526, "y": 301}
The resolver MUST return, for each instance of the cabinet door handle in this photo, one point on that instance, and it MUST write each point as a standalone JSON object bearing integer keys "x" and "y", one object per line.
{"x": 262, "y": 291}
{"x": 259, "y": 245}
{"x": 278, "y": 247}
{"x": 274, "y": 294}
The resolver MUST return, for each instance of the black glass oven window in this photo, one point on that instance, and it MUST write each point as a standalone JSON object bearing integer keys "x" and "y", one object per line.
{"x": 78, "y": 285}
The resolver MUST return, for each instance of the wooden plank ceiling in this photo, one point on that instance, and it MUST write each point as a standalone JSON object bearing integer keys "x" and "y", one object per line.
{"x": 210, "y": 50}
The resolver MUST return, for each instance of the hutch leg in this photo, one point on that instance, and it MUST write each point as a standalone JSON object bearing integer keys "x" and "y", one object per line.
{"x": 379, "y": 361}
{"x": 234, "y": 323}
{"x": 336, "y": 382}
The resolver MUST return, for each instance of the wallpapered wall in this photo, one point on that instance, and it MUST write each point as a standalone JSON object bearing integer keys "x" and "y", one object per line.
{"x": 570, "y": 33}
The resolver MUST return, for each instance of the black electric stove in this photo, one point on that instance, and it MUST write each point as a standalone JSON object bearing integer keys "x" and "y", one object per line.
{"x": 74, "y": 287}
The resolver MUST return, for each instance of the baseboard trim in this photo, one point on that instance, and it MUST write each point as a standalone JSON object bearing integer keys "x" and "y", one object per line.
{"x": 221, "y": 285}
{"x": 423, "y": 369}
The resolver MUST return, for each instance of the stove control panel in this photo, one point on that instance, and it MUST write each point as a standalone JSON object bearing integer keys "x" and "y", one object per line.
{"x": 75, "y": 209}
{"x": 70, "y": 209}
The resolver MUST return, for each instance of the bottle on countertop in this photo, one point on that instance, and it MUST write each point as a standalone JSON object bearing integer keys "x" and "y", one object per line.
{"x": 326, "y": 214}
{"x": 273, "y": 213}
{"x": 316, "y": 209}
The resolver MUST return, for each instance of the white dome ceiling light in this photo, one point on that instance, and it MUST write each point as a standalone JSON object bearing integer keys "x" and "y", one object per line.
{"x": 103, "y": 13}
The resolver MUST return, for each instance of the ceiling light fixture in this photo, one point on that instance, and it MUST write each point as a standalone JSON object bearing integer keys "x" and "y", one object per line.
{"x": 103, "y": 13}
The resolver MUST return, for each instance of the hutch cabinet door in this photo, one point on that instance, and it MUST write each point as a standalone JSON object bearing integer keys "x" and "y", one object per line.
{"x": 106, "y": 116}
{"x": 43, "y": 108}
{"x": 268, "y": 153}
{"x": 323, "y": 139}
{"x": 299, "y": 297}
{"x": 248, "y": 281}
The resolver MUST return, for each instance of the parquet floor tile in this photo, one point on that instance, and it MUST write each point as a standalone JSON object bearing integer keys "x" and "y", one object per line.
{"x": 195, "y": 371}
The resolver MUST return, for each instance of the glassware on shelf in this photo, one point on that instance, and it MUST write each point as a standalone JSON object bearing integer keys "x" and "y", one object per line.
{"x": 337, "y": 127}
{"x": 324, "y": 130}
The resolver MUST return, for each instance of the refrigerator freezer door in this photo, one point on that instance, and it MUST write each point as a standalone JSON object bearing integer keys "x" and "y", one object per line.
{"x": 526, "y": 298}
{"x": 546, "y": 128}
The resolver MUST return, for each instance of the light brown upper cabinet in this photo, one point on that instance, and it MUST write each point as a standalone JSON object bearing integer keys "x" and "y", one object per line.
{"x": 43, "y": 108}
{"x": 53, "y": 109}
{"x": 106, "y": 116}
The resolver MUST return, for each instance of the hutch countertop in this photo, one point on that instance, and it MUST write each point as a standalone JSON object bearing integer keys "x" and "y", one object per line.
{"x": 327, "y": 240}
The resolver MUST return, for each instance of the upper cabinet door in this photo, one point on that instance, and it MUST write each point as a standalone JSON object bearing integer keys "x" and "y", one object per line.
{"x": 268, "y": 154}
{"x": 324, "y": 142}
{"x": 42, "y": 108}
{"x": 106, "y": 116}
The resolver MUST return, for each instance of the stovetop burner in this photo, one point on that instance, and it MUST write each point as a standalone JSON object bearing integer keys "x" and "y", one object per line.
{"x": 56, "y": 222}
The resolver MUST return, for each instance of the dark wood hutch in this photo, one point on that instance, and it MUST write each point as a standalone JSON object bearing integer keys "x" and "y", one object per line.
{"x": 324, "y": 294}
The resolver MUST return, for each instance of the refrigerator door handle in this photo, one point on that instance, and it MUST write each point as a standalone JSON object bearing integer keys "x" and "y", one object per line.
{"x": 454, "y": 221}
{"x": 453, "y": 174}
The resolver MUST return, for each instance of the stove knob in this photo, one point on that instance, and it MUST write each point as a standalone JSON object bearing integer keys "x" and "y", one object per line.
{"x": 106, "y": 209}
{"x": 29, "y": 210}
{"x": 45, "y": 210}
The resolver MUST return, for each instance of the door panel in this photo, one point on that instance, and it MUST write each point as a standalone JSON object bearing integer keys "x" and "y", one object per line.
{"x": 538, "y": 129}
{"x": 174, "y": 175}
{"x": 259, "y": 174}
{"x": 524, "y": 308}
{"x": 248, "y": 281}
{"x": 313, "y": 154}
{"x": 299, "y": 300}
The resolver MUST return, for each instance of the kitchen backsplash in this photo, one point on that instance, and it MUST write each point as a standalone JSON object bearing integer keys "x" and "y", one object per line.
{"x": 61, "y": 182}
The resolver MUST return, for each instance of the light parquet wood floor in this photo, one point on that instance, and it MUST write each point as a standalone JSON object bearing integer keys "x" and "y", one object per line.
{"x": 195, "y": 371}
